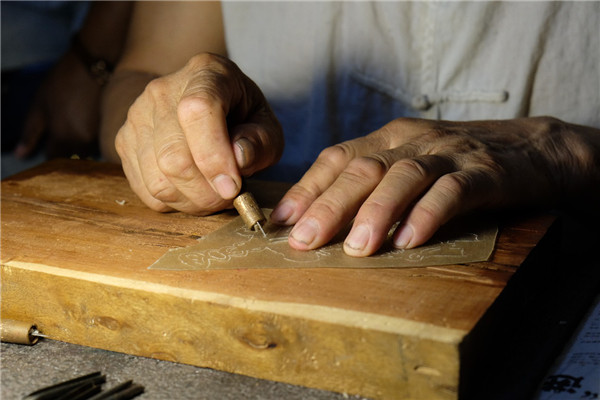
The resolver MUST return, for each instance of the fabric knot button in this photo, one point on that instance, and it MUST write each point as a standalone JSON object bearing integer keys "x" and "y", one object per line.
{"x": 421, "y": 102}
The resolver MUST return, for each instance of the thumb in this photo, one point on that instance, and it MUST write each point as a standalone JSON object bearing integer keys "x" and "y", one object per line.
{"x": 257, "y": 146}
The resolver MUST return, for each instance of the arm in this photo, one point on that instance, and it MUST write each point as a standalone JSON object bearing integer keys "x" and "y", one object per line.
{"x": 426, "y": 172}
{"x": 187, "y": 138}
{"x": 66, "y": 107}
{"x": 162, "y": 37}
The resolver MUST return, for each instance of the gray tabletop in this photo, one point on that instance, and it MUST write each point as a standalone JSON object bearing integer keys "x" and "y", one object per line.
{"x": 28, "y": 368}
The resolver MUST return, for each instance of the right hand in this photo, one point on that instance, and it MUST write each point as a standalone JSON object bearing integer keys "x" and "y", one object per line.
{"x": 190, "y": 136}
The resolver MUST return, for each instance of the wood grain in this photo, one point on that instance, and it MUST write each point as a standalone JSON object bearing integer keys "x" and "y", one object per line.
{"x": 76, "y": 239}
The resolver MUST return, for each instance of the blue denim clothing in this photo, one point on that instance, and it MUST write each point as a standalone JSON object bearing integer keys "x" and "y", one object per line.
{"x": 333, "y": 71}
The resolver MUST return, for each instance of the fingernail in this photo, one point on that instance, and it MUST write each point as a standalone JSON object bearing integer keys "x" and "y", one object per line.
{"x": 244, "y": 152}
{"x": 358, "y": 238}
{"x": 225, "y": 186}
{"x": 404, "y": 237}
{"x": 282, "y": 212}
{"x": 305, "y": 232}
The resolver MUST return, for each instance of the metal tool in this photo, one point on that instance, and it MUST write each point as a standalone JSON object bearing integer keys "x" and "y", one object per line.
{"x": 89, "y": 383}
{"x": 12, "y": 331}
{"x": 250, "y": 212}
{"x": 87, "y": 387}
{"x": 125, "y": 390}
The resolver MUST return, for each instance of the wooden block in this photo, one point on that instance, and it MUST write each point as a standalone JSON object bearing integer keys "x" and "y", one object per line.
{"x": 76, "y": 244}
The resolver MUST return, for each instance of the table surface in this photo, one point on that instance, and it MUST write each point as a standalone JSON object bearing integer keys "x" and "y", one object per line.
{"x": 110, "y": 233}
{"x": 17, "y": 359}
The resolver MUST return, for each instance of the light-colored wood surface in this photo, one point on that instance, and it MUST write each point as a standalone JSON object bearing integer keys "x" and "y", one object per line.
{"x": 76, "y": 244}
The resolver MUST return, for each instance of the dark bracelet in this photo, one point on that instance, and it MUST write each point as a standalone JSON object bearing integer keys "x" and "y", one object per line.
{"x": 98, "y": 68}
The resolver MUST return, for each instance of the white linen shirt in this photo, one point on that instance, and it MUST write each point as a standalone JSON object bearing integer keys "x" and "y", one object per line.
{"x": 333, "y": 71}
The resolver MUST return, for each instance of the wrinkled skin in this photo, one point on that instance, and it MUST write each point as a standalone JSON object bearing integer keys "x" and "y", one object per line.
{"x": 424, "y": 173}
{"x": 192, "y": 134}
{"x": 64, "y": 113}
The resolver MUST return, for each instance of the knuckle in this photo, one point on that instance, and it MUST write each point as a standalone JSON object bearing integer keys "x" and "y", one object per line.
{"x": 428, "y": 213}
{"x": 210, "y": 206}
{"x": 327, "y": 207}
{"x": 162, "y": 191}
{"x": 337, "y": 155}
{"x": 307, "y": 191}
{"x": 156, "y": 88}
{"x": 174, "y": 161}
{"x": 435, "y": 133}
{"x": 199, "y": 60}
{"x": 369, "y": 168}
{"x": 544, "y": 124}
{"x": 157, "y": 97}
{"x": 455, "y": 185}
{"x": 158, "y": 206}
{"x": 438, "y": 140}
{"x": 413, "y": 168}
{"x": 204, "y": 59}
{"x": 380, "y": 207}
{"x": 120, "y": 146}
{"x": 136, "y": 112}
{"x": 208, "y": 74}
{"x": 448, "y": 196}
{"x": 192, "y": 108}
{"x": 403, "y": 131}
{"x": 406, "y": 122}
{"x": 381, "y": 138}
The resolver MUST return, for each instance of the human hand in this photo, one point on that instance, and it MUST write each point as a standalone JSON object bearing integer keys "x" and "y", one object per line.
{"x": 64, "y": 113}
{"x": 423, "y": 173}
{"x": 191, "y": 134}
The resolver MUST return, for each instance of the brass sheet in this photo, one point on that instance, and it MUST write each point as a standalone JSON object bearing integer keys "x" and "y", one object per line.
{"x": 235, "y": 246}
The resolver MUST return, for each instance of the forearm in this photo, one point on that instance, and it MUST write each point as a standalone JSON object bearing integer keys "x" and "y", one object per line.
{"x": 104, "y": 30}
{"x": 162, "y": 37}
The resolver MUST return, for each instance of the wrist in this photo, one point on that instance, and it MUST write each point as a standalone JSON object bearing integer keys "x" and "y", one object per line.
{"x": 573, "y": 152}
{"x": 97, "y": 67}
{"x": 120, "y": 93}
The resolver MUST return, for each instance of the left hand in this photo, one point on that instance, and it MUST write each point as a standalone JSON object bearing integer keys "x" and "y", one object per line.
{"x": 424, "y": 173}
{"x": 65, "y": 111}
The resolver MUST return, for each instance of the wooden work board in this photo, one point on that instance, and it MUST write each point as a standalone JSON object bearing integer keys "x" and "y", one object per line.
{"x": 77, "y": 243}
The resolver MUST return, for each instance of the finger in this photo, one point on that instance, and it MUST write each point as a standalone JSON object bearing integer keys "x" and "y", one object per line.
{"x": 137, "y": 184}
{"x": 203, "y": 120}
{"x": 405, "y": 181}
{"x": 334, "y": 209}
{"x": 177, "y": 181}
{"x": 133, "y": 172}
{"x": 257, "y": 146}
{"x": 321, "y": 175}
{"x": 450, "y": 195}
{"x": 33, "y": 130}
{"x": 244, "y": 150}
